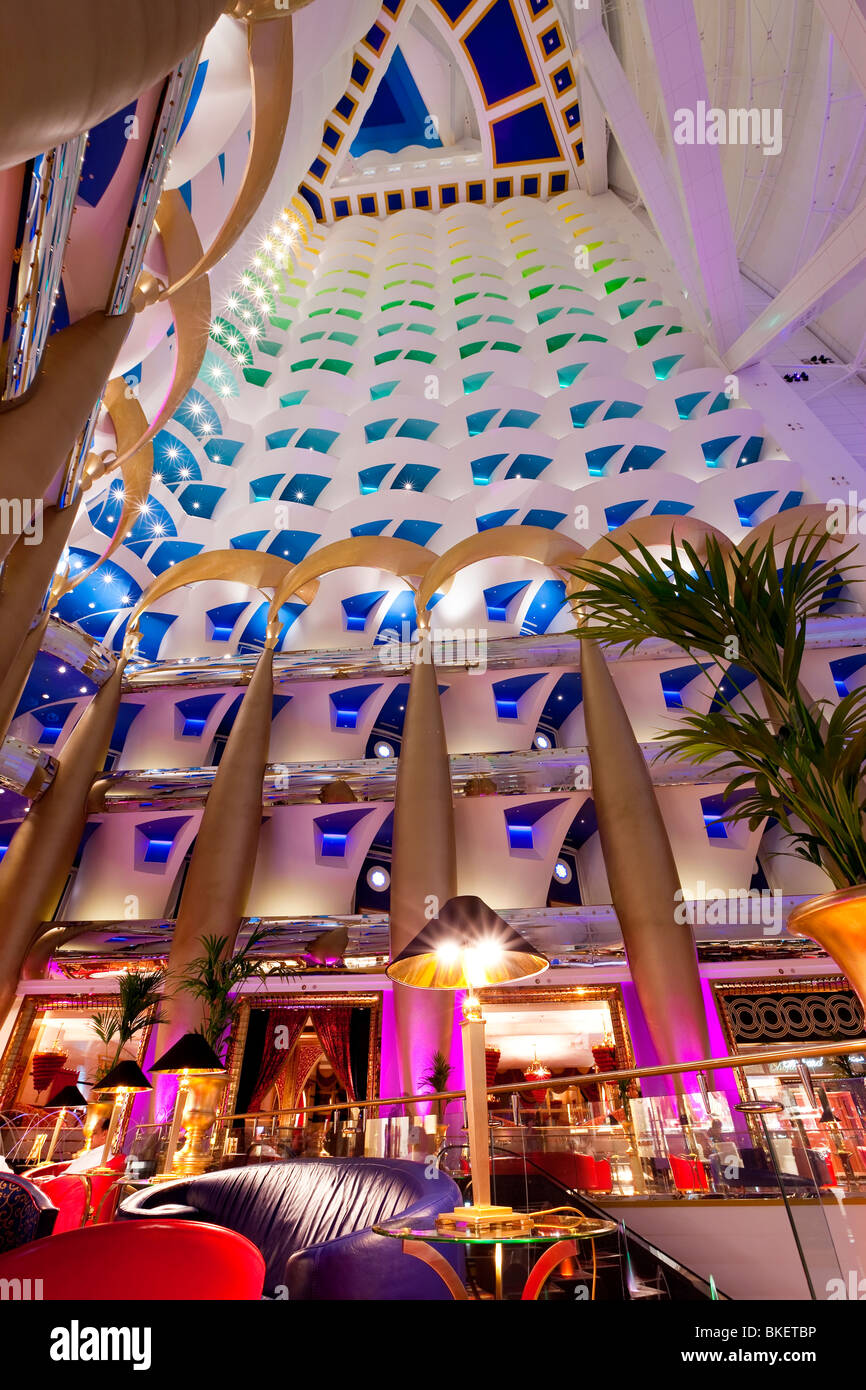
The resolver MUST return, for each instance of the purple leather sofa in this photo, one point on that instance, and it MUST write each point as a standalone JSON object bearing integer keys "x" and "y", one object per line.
{"x": 312, "y": 1219}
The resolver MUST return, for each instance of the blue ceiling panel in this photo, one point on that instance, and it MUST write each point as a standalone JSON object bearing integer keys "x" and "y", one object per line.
{"x": 526, "y": 137}
{"x": 498, "y": 53}
{"x": 397, "y": 116}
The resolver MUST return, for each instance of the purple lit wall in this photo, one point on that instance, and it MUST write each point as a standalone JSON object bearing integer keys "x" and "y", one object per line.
{"x": 426, "y": 1045}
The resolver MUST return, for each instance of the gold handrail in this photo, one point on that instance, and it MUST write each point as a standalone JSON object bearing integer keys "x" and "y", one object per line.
{"x": 737, "y": 1062}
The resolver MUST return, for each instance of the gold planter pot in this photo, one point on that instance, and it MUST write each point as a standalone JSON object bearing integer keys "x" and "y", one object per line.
{"x": 837, "y": 921}
{"x": 203, "y": 1100}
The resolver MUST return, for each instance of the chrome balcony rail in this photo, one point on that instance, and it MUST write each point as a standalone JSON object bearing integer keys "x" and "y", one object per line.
{"x": 162, "y": 141}
{"x": 73, "y": 473}
{"x": 74, "y": 648}
{"x": 579, "y": 936}
{"x": 735, "y": 1062}
{"x": 51, "y": 185}
{"x": 25, "y": 769}
{"x": 374, "y": 779}
{"x": 502, "y": 654}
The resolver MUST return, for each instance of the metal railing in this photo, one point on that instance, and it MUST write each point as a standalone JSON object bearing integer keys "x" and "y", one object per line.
{"x": 735, "y": 1062}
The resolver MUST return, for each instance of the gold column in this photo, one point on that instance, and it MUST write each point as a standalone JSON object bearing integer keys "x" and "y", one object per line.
{"x": 69, "y": 66}
{"x": 424, "y": 865}
{"x": 37, "y": 863}
{"x": 13, "y": 683}
{"x": 27, "y": 576}
{"x": 221, "y": 869}
{"x": 37, "y": 435}
{"x": 641, "y": 871}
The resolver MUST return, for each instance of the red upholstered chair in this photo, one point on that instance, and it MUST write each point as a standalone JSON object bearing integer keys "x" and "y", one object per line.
{"x": 689, "y": 1174}
{"x": 590, "y": 1174}
{"x": 584, "y": 1166}
{"x": 603, "y": 1175}
{"x": 132, "y": 1261}
{"x": 814, "y": 1166}
{"x": 45, "y": 1170}
{"x": 70, "y": 1194}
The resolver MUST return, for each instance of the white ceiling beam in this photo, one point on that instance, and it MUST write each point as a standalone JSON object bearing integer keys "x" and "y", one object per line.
{"x": 836, "y": 267}
{"x": 676, "y": 47}
{"x": 600, "y": 66}
{"x": 846, "y": 20}
{"x": 593, "y": 171}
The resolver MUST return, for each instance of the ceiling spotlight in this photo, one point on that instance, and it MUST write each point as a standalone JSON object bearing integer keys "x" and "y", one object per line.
{"x": 562, "y": 871}
{"x": 383, "y": 749}
{"x": 62, "y": 670}
{"x": 378, "y": 878}
{"x": 542, "y": 741}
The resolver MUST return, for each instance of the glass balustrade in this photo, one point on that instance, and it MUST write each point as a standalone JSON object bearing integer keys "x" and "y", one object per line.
{"x": 684, "y": 1164}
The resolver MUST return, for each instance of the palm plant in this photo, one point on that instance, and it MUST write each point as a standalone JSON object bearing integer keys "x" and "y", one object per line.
{"x": 804, "y": 765}
{"x": 435, "y": 1079}
{"x": 140, "y": 999}
{"x": 216, "y": 975}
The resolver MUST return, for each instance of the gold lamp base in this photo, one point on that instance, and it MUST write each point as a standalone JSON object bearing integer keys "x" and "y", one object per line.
{"x": 204, "y": 1095}
{"x": 484, "y": 1219}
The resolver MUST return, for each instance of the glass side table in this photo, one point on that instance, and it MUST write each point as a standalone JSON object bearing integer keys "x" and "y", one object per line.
{"x": 559, "y": 1234}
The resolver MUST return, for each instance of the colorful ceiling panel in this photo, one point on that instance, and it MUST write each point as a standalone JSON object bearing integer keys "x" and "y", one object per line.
{"x": 522, "y": 112}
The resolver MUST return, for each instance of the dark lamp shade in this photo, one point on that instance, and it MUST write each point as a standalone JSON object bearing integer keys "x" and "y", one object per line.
{"x": 468, "y": 946}
{"x": 67, "y": 1098}
{"x": 191, "y": 1053}
{"x": 126, "y": 1076}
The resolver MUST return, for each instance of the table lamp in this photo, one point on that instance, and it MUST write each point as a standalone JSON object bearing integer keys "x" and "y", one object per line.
{"x": 192, "y": 1060}
{"x": 469, "y": 946}
{"x": 67, "y": 1098}
{"x": 121, "y": 1081}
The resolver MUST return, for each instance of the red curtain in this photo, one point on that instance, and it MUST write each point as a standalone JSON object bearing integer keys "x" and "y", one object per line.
{"x": 332, "y": 1025}
{"x": 273, "y": 1057}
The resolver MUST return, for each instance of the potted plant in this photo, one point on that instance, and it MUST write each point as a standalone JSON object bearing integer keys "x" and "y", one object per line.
{"x": 214, "y": 978}
{"x": 799, "y": 760}
{"x": 435, "y": 1079}
{"x": 140, "y": 1000}
{"x": 140, "y": 994}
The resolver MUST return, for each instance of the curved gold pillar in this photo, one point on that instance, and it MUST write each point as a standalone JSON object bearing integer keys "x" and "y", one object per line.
{"x": 129, "y": 421}
{"x": 271, "y": 53}
{"x": 27, "y": 576}
{"x": 37, "y": 863}
{"x": 423, "y": 868}
{"x": 191, "y": 311}
{"x": 69, "y": 66}
{"x": 640, "y": 866}
{"x": 641, "y": 871}
{"x": 38, "y": 435}
{"x": 223, "y": 861}
{"x": 15, "y": 679}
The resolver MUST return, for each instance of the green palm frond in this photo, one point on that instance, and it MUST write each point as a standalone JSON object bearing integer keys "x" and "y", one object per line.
{"x": 703, "y": 605}
{"x": 139, "y": 1009}
{"x": 806, "y": 765}
{"x": 215, "y": 976}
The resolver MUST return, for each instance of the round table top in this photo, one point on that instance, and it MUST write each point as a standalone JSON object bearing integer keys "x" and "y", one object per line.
{"x": 542, "y": 1233}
